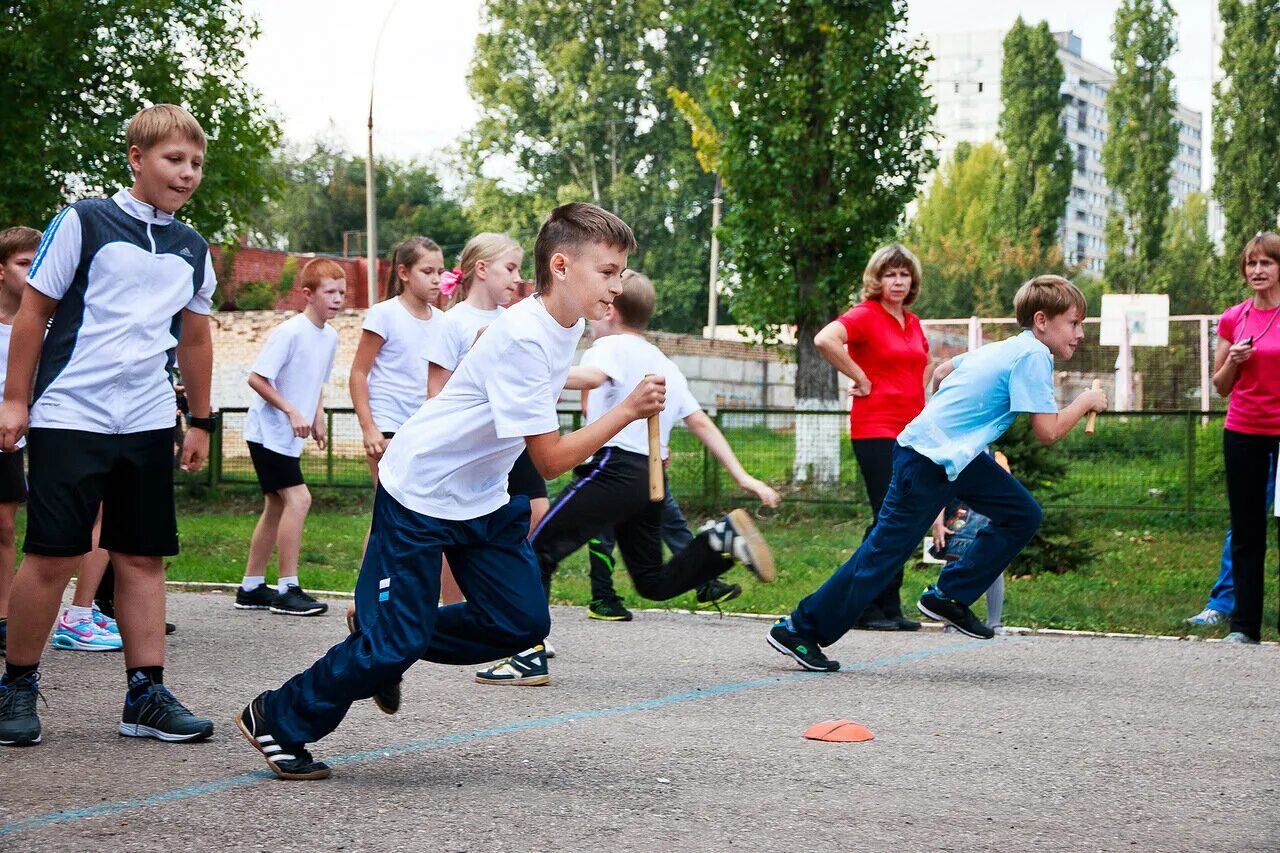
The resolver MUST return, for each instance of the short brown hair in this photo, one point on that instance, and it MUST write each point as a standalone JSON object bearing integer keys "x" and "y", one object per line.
{"x": 1052, "y": 294}
{"x": 1264, "y": 242}
{"x": 155, "y": 124}
{"x": 569, "y": 228}
{"x": 318, "y": 270}
{"x": 636, "y": 301}
{"x": 891, "y": 257}
{"x": 19, "y": 238}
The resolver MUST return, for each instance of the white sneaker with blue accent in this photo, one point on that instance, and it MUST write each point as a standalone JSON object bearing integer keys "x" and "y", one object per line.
{"x": 83, "y": 635}
{"x": 527, "y": 669}
{"x": 104, "y": 621}
{"x": 1208, "y": 616}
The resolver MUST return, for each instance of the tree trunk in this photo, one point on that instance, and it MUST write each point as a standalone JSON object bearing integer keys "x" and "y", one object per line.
{"x": 817, "y": 436}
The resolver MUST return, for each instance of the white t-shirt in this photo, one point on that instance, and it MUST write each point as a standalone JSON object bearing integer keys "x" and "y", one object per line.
{"x": 6, "y": 332}
{"x": 458, "y": 334}
{"x": 297, "y": 358}
{"x": 451, "y": 459}
{"x": 625, "y": 359}
{"x": 398, "y": 378}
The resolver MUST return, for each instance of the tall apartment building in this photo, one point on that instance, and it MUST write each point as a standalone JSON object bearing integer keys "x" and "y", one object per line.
{"x": 965, "y": 78}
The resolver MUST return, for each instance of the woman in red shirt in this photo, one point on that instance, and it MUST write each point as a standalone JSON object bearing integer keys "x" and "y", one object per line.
{"x": 880, "y": 346}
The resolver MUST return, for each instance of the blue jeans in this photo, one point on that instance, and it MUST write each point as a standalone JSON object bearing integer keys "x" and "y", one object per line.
{"x": 920, "y": 489}
{"x": 676, "y": 535}
{"x": 1223, "y": 596}
{"x": 397, "y": 596}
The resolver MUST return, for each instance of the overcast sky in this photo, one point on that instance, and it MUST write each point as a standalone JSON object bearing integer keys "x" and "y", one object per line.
{"x": 314, "y": 60}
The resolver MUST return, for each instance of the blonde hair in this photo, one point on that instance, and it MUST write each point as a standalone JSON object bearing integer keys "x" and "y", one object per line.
{"x": 636, "y": 302}
{"x": 318, "y": 270}
{"x": 155, "y": 124}
{"x": 406, "y": 254}
{"x": 1264, "y": 242}
{"x": 891, "y": 257}
{"x": 486, "y": 246}
{"x": 571, "y": 226}
{"x": 19, "y": 238}
{"x": 1052, "y": 294}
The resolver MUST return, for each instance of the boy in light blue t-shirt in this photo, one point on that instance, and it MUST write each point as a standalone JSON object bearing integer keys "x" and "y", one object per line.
{"x": 939, "y": 458}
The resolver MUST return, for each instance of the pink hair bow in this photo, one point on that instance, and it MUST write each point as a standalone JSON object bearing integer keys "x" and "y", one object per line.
{"x": 450, "y": 280}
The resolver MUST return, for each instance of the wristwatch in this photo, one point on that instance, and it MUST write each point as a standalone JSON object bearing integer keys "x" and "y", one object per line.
{"x": 208, "y": 424}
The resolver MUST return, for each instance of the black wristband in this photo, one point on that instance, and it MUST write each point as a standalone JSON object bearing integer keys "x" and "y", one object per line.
{"x": 208, "y": 424}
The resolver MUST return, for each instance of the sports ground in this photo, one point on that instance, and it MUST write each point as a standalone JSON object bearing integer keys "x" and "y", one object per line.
{"x": 678, "y": 732}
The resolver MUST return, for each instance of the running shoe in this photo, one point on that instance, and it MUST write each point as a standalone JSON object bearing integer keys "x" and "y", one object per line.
{"x": 716, "y": 591}
{"x": 294, "y": 602}
{"x": 258, "y": 598}
{"x": 736, "y": 536}
{"x": 807, "y": 654}
{"x": 1239, "y": 638}
{"x": 388, "y": 697}
{"x": 527, "y": 669}
{"x": 288, "y": 761}
{"x": 19, "y": 724}
{"x": 609, "y": 610}
{"x": 934, "y": 605}
{"x": 83, "y": 635}
{"x": 104, "y": 621}
{"x": 1208, "y": 616}
{"x": 158, "y": 714}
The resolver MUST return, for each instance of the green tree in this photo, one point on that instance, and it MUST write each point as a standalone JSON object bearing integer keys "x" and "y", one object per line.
{"x": 73, "y": 73}
{"x": 1185, "y": 269}
{"x": 324, "y": 196}
{"x": 574, "y": 92}
{"x": 1246, "y": 126}
{"x": 1037, "y": 175}
{"x": 823, "y": 125}
{"x": 969, "y": 266}
{"x": 1142, "y": 141}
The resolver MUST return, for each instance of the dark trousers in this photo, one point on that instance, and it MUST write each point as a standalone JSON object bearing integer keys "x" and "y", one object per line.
{"x": 612, "y": 491}
{"x": 1248, "y": 461}
{"x": 918, "y": 490}
{"x": 875, "y": 463}
{"x": 397, "y": 596}
{"x": 676, "y": 535}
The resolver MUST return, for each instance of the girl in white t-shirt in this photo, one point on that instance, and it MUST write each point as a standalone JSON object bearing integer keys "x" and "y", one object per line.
{"x": 389, "y": 372}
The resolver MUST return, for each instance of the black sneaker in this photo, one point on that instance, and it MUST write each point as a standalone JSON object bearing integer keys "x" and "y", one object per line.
{"x": 904, "y": 624}
{"x": 872, "y": 619}
{"x": 259, "y": 598}
{"x": 4, "y": 637}
{"x": 933, "y": 605}
{"x": 609, "y": 610}
{"x": 294, "y": 602}
{"x": 158, "y": 714}
{"x": 387, "y": 698}
{"x": 288, "y": 761}
{"x": 735, "y": 535}
{"x": 808, "y": 655}
{"x": 716, "y": 591}
{"x": 19, "y": 723}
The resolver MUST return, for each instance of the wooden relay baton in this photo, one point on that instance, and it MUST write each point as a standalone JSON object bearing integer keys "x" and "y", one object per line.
{"x": 1092, "y": 423}
{"x": 657, "y": 490}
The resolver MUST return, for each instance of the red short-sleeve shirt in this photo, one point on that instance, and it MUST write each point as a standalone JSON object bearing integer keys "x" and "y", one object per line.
{"x": 894, "y": 357}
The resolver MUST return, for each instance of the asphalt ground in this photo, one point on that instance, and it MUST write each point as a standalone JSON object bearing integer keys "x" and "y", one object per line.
{"x": 677, "y": 732}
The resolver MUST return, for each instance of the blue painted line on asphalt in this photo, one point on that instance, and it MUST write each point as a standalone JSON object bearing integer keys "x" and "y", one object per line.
{"x": 231, "y": 783}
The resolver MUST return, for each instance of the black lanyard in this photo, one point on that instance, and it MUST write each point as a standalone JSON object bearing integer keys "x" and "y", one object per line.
{"x": 1244, "y": 323}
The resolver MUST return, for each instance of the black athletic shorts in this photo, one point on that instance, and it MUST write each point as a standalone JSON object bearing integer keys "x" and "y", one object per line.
{"x": 525, "y": 479}
{"x": 13, "y": 478}
{"x": 130, "y": 476}
{"x": 275, "y": 470}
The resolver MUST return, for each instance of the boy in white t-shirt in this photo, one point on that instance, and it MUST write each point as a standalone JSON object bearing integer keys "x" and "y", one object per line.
{"x": 289, "y": 377}
{"x": 611, "y": 490}
{"x": 17, "y": 249}
{"x": 443, "y": 491}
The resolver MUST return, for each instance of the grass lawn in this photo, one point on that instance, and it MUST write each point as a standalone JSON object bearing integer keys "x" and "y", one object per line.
{"x": 1152, "y": 572}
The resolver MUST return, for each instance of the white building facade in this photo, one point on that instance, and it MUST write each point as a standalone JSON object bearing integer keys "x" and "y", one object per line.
{"x": 965, "y": 79}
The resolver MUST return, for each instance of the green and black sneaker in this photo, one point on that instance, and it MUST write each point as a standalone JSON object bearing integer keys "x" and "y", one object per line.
{"x": 716, "y": 591}
{"x": 609, "y": 610}
{"x": 791, "y": 644}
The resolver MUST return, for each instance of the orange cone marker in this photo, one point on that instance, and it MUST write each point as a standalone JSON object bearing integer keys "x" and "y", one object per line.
{"x": 839, "y": 731}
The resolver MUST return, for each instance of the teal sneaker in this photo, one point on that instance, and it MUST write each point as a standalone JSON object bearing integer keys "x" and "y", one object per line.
{"x": 83, "y": 635}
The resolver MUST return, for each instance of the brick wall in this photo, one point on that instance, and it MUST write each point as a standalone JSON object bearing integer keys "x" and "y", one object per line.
{"x": 253, "y": 264}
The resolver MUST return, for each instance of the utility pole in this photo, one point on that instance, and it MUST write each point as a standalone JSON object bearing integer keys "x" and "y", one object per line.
{"x": 370, "y": 193}
{"x": 713, "y": 301}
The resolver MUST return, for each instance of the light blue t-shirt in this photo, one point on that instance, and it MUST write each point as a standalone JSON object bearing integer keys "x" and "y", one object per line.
{"x": 979, "y": 400}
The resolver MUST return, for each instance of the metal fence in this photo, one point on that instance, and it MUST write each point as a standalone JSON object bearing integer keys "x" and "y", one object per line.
{"x": 1145, "y": 462}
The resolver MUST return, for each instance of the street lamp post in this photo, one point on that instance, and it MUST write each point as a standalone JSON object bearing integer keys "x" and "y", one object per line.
{"x": 370, "y": 193}
{"x": 713, "y": 294}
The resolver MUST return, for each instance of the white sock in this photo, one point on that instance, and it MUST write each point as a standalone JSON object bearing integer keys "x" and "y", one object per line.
{"x": 78, "y": 614}
{"x": 252, "y": 582}
{"x": 283, "y": 586}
